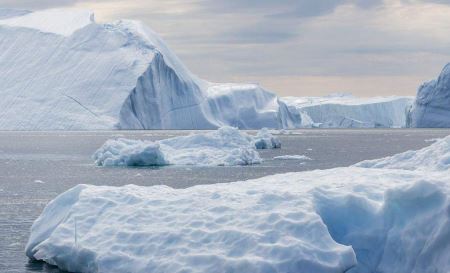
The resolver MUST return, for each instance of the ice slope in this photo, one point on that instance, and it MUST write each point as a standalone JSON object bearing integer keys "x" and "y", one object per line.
{"x": 435, "y": 157}
{"x": 340, "y": 220}
{"x": 226, "y": 146}
{"x": 344, "y": 111}
{"x": 431, "y": 108}
{"x": 62, "y": 70}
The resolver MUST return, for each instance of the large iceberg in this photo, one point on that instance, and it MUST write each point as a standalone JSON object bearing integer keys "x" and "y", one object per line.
{"x": 226, "y": 146}
{"x": 431, "y": 108}
{"x": 62, "y": 70}
{"x": 392, "y": 219}
{"x": 344, "y": 111}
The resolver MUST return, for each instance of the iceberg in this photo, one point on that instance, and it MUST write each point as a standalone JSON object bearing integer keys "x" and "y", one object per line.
{"x": 225, "y": 147}
{"x": 380, "y": 218}
{"x": 435, "y": 157}
{"x": 292, "y": 157}
{"x": 344, "y": 111}
{"x": 431, "y": 108}
{"x": 71, "y": 73}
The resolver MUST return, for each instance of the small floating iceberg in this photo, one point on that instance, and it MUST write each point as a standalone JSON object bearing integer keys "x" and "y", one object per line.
{"x": 292, "y": 157}
{"x": 225, "y": 147}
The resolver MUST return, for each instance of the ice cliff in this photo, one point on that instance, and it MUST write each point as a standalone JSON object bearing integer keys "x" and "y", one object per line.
{"x": 344, "y": 111}
{"x": 432, "y": 106}
{"x": 63, "y": 71}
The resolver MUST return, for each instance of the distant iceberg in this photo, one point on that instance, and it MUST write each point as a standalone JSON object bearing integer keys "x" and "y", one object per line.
{"x": 390, "y": 216}
{"x": 225, "y": 147}
{"x": 431, "y": 108}
{"x": 344, "y": 111}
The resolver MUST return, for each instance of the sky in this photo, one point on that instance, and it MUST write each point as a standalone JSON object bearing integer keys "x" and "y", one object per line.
{"x": 294, "y": 47}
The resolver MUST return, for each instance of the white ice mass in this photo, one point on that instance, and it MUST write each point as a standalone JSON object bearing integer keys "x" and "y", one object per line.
{"x": 62, "y": 70}
{"x": 344, "y": 111}
{"x": 226, "y": 146}
{"x": 391, "y": 218}
{"x": 431, "y": 108}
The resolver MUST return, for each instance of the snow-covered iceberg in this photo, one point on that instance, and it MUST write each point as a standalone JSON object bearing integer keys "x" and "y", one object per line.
{"x": 435, "y": 157}
{"x": 352, "y": 219}
{"x": 431, "y": 108}
{"x": 343, "y": 111}
{"x": 226, "y": 146}
{"x": 62, "y": 70}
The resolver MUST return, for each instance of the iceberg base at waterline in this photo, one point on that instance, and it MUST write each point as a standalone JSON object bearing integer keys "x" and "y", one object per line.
{"x": 350, "y": 219}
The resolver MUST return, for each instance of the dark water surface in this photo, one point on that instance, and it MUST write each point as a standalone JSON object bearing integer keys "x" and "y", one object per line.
{"x": 37, "y": 166}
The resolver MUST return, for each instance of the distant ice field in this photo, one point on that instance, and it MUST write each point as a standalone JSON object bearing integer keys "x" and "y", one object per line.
{"x": 36, "y": 167}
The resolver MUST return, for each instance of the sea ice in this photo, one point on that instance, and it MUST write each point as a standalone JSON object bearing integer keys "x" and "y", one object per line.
{"x": 292, "y": 157}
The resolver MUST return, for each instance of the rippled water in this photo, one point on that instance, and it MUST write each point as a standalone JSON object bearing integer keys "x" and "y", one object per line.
{"x": 37, "y": 166}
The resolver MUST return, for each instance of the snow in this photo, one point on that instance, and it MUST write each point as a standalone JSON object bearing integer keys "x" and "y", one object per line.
{"x": 389, "y": 218}
{"x": 435, "y": 157}
{"x": 225, "y": 147}
{"x": 431, "y": 108}
{"x": 57, "y": 21}
{"x": 292, "y": 157}
{"x": 344, "y": 111}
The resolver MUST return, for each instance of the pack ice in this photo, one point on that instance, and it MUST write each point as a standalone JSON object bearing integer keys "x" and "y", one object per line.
{"x": 390, "y": 218}
{"x": 62, "y": 70}
{"x": 431, "y": 108}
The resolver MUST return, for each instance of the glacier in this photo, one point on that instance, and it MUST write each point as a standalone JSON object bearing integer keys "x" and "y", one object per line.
{"x": 431, "y": 108}
{"x": 226, "y": 146}
{"x": 344, "y": 111}
{"x": 61, "y": 70}
{"x": 390, "y": 215}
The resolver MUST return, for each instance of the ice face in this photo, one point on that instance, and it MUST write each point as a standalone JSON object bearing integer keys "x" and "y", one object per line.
{"x": 432, "y": 106}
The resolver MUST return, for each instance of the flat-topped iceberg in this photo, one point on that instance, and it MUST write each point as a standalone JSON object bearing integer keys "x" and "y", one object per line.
{"x": 225, "y": 147}
{"x": 431, "y": 108}
{"x": 344, "y": 111}
{"x": 350, "y": 219}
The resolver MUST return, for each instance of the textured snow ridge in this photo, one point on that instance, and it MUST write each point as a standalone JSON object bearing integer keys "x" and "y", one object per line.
{"x": 71, "y": 73}
{"x": 432, "y": 106}
{"x": 435, "y": 157}
{"x": 340, "y": 220}
{"x": 344, "y": 111}
{"x": 395, "y": 221}
{"x": 226, "y": 146}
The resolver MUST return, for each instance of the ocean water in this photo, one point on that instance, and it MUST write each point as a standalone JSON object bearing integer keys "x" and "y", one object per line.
{"x": 37, "y": 166}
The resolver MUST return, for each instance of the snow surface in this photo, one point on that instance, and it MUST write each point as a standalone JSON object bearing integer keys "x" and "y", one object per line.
{"x": 340, "y": 220}
{"x": 344, "y": 111}
{"x": 225, "y": 147}
{"x": 292, "y": 157}
{"x": 435, "y": 157}
{"x": 431, "y": 108}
